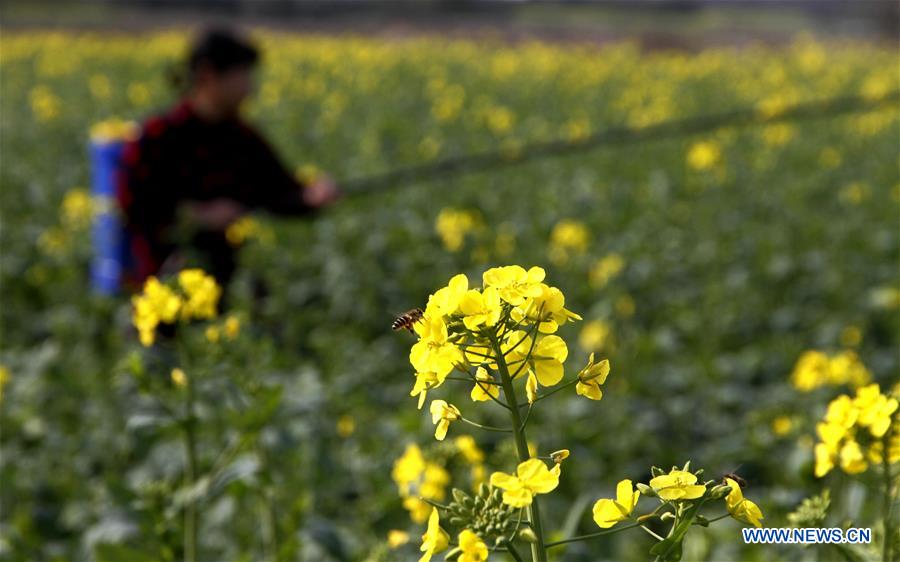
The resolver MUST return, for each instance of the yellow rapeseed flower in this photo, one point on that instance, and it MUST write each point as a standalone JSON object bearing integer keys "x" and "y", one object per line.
{"x": 471, "y": 547}
{"x": 605, "y": 269}
{"x": 486, "y": 388}
{"x": 453, "y": 225}
{"x": 480, "y": 308}
{"x": 434, "y": 352}
{"x": 740, "y": 507}
{"x": 442, "y": 414}
{"x": 467, "y": 447}
{"x": 232, "y": 327}
{"x": 201, "y": 294}
{"x": 345, "y": 426}
{"x": 593, "y": 335}
{"x": 435, "y": 539}
{"x": 156, "y": 304}
{"x": 397, "y": 538}
{"x": 591, "y": 377}
{"x": 178, "y": 377}
{"x": 514, "y": 283}
{"x": 609, "y": 512}
{"x": 677, "y": 485}
{"x": 531, "y": 477}
{"x": 703, "y": 155}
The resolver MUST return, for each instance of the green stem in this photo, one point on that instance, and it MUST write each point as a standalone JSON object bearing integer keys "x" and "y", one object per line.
{"x": 887, "y": 550}
{"x": 484, "y": 427}
{"x": 190, "y": 475}
{"x": 512, "y": 550}
{"x": 538, "y": 552}
{"x": 654, "y": 535}
{"x": 592, "y": 535}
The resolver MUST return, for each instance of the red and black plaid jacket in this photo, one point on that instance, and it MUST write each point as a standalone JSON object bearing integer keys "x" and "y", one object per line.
{"x": 180, "y": 157}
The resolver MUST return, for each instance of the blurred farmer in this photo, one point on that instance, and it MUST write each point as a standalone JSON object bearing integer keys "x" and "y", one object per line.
{"x": 199, "y": 167}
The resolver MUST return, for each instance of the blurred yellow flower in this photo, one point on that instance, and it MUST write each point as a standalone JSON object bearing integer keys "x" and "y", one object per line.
{"x": 157, "y": 303}
{"x": 77, "y": 209}
{"x": 435, "y": 539}
{"x": 45, "y": 105}
{"x": 114, "y": 130}
{"x": 178, "y": 377}
{"x": 453, "y": 225}
{"x": 851, "y": 336}
{"x": 593, "y": 335}
{"x": 467, "y": 447}
{"x": 232, "y": 327}
{"x": 201, "y": 294}
{"x": 247, "y": 228}
{"x": 875, "y": 409}
{"x": 605, "y": 269}
{"x": 703, "y": 155}
{"x": 472, "y": 548}
{"x": 212, "y": 334}
{"x": 345, "y": 426}
{"x": 568, "y": 236}
{"x": 397, "y": 538}
{"x": 782, "y": 425}
{"x": 815, "y": 368}
{"x": 4, "y": 379}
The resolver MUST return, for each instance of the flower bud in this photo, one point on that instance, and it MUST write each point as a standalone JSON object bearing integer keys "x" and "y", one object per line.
{"x": 719, "y": 492}
{"x": 645, "y": 490}
{"x": 559, "y": 456}
{"x": 656, "y": 471}
{"x": 666, "y": 516}
{"x": 527, "y": 535}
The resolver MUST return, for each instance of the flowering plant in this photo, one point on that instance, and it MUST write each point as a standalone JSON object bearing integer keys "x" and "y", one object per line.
{"x": 493, "y": 337}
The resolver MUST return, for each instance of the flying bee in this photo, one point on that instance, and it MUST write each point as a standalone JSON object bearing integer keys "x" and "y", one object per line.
{"x": 407, "y": 319}
{"x": 740, "y": 481}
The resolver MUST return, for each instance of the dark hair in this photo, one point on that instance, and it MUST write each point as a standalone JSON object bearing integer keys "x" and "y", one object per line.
{"x": 220, "y": 49}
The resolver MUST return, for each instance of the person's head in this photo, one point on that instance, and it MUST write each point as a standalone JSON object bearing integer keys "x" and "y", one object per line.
{"x": 220, "y": 70}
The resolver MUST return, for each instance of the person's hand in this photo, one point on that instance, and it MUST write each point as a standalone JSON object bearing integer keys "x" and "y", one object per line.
{"x": 321, "y": 191}
{"x": 216, "y": 214}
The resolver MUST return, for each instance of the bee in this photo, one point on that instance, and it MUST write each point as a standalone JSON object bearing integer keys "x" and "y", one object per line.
{"x": 740, "y": 481}
{"x": 407, "y": 319}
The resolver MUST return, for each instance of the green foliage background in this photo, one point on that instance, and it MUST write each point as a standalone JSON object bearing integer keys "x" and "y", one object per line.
{"x": 733, "y": 272}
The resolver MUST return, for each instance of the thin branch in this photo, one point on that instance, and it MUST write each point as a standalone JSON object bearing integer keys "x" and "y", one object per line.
{"x": 593, "y": 535}
{"x": 485, "y": 427}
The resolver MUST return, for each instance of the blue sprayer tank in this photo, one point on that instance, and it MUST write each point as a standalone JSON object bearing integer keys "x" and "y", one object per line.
{"x": 111, "y": 257}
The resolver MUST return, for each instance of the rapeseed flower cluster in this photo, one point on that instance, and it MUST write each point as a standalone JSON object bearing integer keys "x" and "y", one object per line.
{"x": 815, "y": 369}
{"x": 247, "y": 228}
{"x": 195, "y": 296}
{"x": 463, "y": 328}
{"x": 677, "y": 486}
{"x": 568, "y": 237}
{"x": 853, "y": 432}
{"x": 114, "y": 130}
{"x": 453, "y": 225}
{"x": 418, "y": 480}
